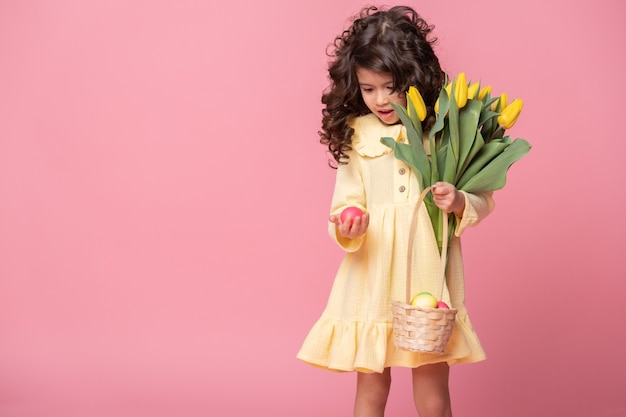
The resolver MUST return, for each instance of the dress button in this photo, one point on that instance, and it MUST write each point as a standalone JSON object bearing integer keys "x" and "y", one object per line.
{"x": 402, "y": 188}
{"x": 402, "y": 171}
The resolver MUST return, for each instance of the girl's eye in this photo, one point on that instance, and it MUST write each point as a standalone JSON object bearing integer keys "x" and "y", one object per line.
{"x": 367, "y": 89}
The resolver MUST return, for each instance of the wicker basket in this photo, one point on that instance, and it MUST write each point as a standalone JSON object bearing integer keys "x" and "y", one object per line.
{"x": 422, "y": 329}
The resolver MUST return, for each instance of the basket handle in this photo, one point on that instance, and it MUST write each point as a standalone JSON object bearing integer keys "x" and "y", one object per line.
{"x": 444, "y": 246}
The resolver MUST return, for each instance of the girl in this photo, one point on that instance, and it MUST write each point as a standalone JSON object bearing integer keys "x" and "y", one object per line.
{"x": 374, "y": 62}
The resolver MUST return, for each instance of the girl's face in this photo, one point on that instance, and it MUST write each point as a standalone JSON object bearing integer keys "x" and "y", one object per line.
{"x": 377, "y": 93}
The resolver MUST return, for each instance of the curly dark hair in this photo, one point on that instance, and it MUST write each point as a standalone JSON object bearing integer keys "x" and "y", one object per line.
{"x": 396, "y": 41}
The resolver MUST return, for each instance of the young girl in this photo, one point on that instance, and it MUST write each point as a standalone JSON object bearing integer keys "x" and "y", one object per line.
{"x": 374, "y": 62}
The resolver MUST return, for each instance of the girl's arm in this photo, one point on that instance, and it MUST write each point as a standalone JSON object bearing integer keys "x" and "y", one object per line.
{"x": 348, "y": 192}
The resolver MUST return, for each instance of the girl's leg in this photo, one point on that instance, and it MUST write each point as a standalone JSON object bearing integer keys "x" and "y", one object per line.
{"x": 372, "y": 391}
{"x": 430, "y": 390}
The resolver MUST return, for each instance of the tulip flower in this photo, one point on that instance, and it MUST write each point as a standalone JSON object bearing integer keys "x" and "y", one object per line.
{"x": 448, "y": 89}
{"x": 460, "y": 90}
{"x": 484, "y": 91}
{"x": 416, "y": 99}
{"x": 509, "y": 115}
{"x": 472, "y": 90}
{"x": 500, "y": 104}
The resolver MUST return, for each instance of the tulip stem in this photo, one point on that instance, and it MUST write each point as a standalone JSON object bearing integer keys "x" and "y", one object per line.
{"x": 498, "y": 131}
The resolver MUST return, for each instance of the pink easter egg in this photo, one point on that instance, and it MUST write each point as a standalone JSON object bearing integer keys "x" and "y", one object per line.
{"x": 350, "y": 213}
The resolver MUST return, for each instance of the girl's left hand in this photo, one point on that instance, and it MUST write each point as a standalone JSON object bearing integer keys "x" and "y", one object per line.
{"x": 448, "y": 198}
{"x": 351, "y": 229}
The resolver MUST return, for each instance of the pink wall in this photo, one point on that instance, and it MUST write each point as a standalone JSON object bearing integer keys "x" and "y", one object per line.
{"x": 163, "y": 249}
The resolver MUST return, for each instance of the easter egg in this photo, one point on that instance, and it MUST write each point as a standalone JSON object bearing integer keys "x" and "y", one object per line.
{"x": 441, "y": 304}
{"x": 424, "y": 299}
{"x": 350, "y": 213}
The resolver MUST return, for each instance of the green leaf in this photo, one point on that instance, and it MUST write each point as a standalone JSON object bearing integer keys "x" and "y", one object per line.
{"x": 444, "y": 105}
{"x": 413, "y": 131}
{"x": 434, "y": 162}
{"x": 453, "y": 117}
{"x": 442, "y": 155}
{"x": 404, "y": 153}
{"x": 486, "y": 115}
{"x": 485, "y": 155}
{"x": 487, "y": 121}
{"x": 416, "y": 138}
{"x": 444, "y": 137}
{"x": 468, "y": 121}
{"x": 493, "y": 176}
{"x": 413, "y": 114}
{"x": 477, "y": 145}
{"x": 449, "y": 172}
{"x": 488, "y": 101}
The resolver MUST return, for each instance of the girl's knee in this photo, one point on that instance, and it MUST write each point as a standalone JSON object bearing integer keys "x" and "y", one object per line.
{"x": 431, "y": 392}
{"x": 434, "y": 406}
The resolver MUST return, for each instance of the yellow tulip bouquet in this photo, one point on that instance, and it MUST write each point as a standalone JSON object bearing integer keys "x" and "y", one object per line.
{"x": 468, "y": 146}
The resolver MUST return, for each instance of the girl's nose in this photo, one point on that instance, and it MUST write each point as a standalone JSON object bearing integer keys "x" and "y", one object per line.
{"x": 382, "y": 99}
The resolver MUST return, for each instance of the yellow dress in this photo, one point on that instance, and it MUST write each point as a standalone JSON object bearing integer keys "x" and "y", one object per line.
{"x": 354, "y": 332}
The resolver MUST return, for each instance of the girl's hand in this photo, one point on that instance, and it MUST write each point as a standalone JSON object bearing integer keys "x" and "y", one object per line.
{"x": 448, "y": 198}
{"x": 352, "y": 227}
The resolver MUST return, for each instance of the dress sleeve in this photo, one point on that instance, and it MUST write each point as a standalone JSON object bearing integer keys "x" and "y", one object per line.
{"x": 348, "y": 192}
{"x": 477, "y": 207}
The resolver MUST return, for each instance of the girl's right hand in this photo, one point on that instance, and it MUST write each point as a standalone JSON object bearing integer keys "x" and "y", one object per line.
{"x": 351, "y": 228}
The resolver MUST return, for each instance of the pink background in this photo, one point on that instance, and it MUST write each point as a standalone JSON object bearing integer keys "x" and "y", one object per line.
{"x": 163, "y": 203}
